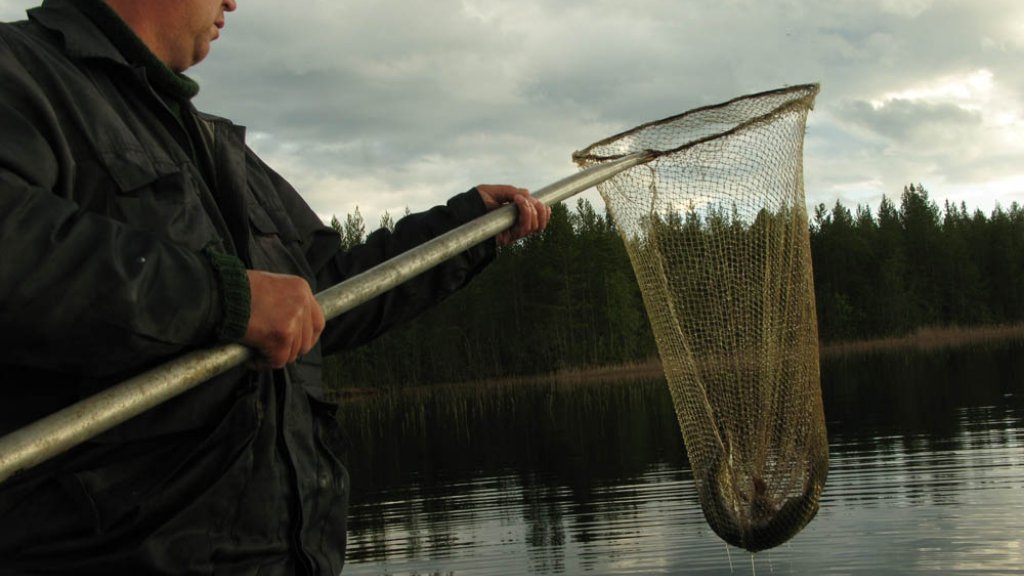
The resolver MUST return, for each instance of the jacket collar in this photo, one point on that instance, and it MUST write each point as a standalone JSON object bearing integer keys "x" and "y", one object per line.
{"x": 92, "y": 30}
{"x": 82, "y": 37}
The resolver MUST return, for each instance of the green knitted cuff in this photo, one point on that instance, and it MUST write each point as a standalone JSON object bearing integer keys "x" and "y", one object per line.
{"x": 234, "y": 295}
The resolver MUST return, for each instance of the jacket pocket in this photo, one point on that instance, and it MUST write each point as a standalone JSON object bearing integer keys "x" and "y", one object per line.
{"x": 274, "y": 242}
{"x": 169, "y": 204}
{"x": 178, "y": 480}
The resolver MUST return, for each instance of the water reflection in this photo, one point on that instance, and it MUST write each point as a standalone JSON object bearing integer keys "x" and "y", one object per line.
{"x": 926, "y": 475}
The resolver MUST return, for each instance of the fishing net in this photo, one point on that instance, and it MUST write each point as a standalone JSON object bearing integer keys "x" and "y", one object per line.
{"x": 716, "y": 229}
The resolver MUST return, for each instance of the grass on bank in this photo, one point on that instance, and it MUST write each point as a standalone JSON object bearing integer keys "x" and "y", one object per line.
{"x": 922, "y": 340}
{"x": 928, "y": 339}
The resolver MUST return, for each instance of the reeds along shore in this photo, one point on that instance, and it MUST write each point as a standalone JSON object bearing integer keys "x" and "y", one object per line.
{"x": 928, "y": 338}
{"x": 923, "y": 339}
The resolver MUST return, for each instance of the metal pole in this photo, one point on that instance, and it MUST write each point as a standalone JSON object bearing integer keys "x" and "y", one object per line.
{"x": 65, "y": 429}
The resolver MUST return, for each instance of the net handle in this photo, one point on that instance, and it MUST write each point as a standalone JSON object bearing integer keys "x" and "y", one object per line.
{"x": 37, "y": 442}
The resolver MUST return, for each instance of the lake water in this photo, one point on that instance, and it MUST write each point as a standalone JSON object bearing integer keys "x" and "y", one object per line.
{"x": 927, "y": 476}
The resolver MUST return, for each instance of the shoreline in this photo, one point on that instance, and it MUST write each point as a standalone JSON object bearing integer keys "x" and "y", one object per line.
{"x": 928, "y": 338}
{"x": 921, "y": 340}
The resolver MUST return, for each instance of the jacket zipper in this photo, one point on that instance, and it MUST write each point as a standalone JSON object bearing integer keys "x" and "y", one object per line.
{"x": 305, "y": 559}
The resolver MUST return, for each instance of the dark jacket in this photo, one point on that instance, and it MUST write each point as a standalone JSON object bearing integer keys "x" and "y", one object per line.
{"x": 125, "y": 220}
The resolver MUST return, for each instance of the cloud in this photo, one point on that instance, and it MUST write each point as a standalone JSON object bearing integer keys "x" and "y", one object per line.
{"x": 953, "y": 131}
{"x": 386, "y": 104}
{"x": 915, "y": 128}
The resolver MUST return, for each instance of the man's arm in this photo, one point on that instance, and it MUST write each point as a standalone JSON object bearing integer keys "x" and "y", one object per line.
{"x": 408, "y": 300}
{"x": 332, "y": 265}
{"x": 80, "y": 292}
{"x": 286, "y": 321}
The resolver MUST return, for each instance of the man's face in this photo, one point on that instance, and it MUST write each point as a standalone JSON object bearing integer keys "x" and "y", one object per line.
{"x": 192, "y": 25}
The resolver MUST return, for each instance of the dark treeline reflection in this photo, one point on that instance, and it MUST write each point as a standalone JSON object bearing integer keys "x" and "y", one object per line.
{"x": 582, "y": 435}
{"x": 576, "y": 434}
{"x": 567, "y": 298}
{"x": 563, "y": 469}
{"x": 410, "y": 448}
{"x": 920, "y": 395}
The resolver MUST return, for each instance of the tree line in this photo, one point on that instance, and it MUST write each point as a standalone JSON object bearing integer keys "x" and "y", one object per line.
{"x": 567, "y": 298}
{"x": 915, "y": 265}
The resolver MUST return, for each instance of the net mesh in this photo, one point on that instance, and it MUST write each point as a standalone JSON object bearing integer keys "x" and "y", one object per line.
{"x": 716, "y": 229}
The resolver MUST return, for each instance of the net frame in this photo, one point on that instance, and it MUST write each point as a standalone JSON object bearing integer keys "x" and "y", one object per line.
{"x": 717, "y": 232}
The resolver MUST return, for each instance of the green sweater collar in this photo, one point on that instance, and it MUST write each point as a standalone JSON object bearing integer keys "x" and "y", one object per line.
{"x": 164, "y": 80}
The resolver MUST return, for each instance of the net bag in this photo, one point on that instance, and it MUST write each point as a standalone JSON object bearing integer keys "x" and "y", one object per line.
{"x": 716, "y": 228}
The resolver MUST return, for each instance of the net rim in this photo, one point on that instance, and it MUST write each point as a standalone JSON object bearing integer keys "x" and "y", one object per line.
{"x": 810, "y": 90}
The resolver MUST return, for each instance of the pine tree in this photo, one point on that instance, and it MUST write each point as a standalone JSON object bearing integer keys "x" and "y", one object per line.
{"x": 354, "y": 230}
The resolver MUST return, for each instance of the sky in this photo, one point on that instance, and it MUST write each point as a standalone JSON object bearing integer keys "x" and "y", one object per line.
{"x": 386, "y": 105}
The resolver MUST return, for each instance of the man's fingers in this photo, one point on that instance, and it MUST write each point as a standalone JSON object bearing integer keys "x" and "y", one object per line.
{"x": 533, "y": 215}
{"x": 314, "y": 326}
{"x": 319, "y": 322}
{"x": 545, "y": 215}
{"x": 285, "y": 320}
{"x": 297, "y": 342}
{"x": 306, "y": 342}
{"x": 527, "y": 216}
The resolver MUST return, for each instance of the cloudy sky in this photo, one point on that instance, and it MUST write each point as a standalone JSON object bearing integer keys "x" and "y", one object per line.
{"x": 388, "y": 104}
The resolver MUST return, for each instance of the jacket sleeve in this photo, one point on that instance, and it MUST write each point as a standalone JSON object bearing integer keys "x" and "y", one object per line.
{"x": 80, "y": 292}
{"x": 332, "y": 265}
{"x": 417, "y": 295}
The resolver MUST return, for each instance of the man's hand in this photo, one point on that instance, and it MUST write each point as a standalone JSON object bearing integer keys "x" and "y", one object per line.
{"x": 285, "y": 321}
{"x": 533, "y": 214}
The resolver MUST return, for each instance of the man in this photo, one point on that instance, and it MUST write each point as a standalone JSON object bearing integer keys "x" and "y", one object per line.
{"x": 134, "y": 228}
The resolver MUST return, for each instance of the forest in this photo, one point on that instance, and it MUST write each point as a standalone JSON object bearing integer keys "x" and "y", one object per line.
{"x": 567, "y": 298}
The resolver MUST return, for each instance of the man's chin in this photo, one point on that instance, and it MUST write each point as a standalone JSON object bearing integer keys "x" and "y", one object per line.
{"x": 200, "y": 54}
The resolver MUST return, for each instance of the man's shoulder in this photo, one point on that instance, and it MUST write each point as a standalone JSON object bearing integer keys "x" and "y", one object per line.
{"x": 38, "y": 51}
{"x": 61, "y": 30}
{"x": 13, "y": 33}
{"x": 26, "y": 41}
